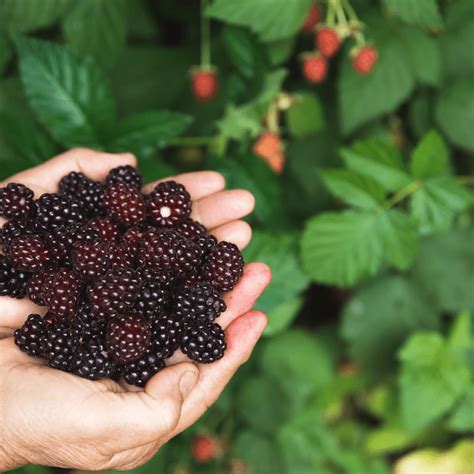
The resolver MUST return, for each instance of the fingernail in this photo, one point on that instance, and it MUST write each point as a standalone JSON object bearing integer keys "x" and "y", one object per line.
{"x": 187, "y": 382}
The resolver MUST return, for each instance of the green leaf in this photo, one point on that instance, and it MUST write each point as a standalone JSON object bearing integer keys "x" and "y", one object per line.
{"x": 380, "y": 161}
{"x": 418, "y": 12}
{"x": 432, "y": 379}
{"x": 461, "y": 337}
{"x": 455, "y": 112}
{"x": 283, "y": 315}
{"x": 97, "y": 28}
{"x": 430, "y": 157}
{"x": 421, "y": 113}
{"x": 364, "y": 98}
{"x": 381, "y": 315}
{"x": 149, "y": 130}
{"x": 30, "y": 15}
{"x": 443, "y": 267}
{"x": 270, "y": 19}
{"x": 280, "y": 51}
{"x": 387, "y": 439}
{"x": 341, "y": 248}
{"x": 355, "y": 189}
{"x": 69, "y": 95}
{"x": 399, "y": 234}
{"x": 435, "y": 204}
{"x": 462, "y": 420}
{"x": 306, "y": 115}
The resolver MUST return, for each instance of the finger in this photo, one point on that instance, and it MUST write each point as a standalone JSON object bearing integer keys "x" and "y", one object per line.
{"x": 14, "y": 312}
{"x": 223, "y": 207}
{"x": 198, "y": 184}
{"x": 237, "y": 232}
{"x": 242, "y": 335}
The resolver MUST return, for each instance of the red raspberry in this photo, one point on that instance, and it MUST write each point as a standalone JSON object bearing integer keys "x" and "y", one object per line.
{"x": 312, "y": 18}
{"x": 328, "y": 42}
{"x": 204, "y": 85}
{"x": 363, "y": 60}
{"x": 315, "y": 68}
{"x": 269, "y": 147}
{"x": 29, "y": 253}
{"x": 124, "y": 204}
{"x": 205, "y": 448}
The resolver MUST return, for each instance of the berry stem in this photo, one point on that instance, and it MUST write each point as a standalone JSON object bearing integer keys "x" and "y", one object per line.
{"x": 352, "y": 15}
{"x": 340, "y": 15}
{"x": 272, "y": 117}
{"x": 331, "y": 14}
{"x": 205, "y": 38}
{"x": 404, "y": 193}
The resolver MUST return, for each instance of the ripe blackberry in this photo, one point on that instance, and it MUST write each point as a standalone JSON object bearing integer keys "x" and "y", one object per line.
{"x": 138, "y": 373}
{"x": 127, "y": 175}
{"x": 152, "y": 299}
{"x": 168, "y": 204}
{"x": 120, "y": 257}
{"x": 168, "y": 250}
{"x": 29, "y": 253}
{"x": 128, "y": 337}
{"x": 124, "y": 204}
{"x": 152, "y": 276}
{"x": 60, "y": 291}
{"x": 199, "y": 304}
{"x": 86, "y": 325}
{"x": 12, "y": 281}
{"x": 90, "y": 260}
{"x": 166, "y": 332}
{"x": 53, "y": 211}
{"x": 13, "y": 229}
{"x": 87, "y": 192}
{"x": 191, "y": 229}
{"x": 224, "y": 266}
{"x": 189, "y": 281}
{"x": 106, "y": 229}
{"x": 58, "y": 346}
{"x": 204, "y": 343}
{"x": 113, "y": 294}
{"x": 93, "y": 362}
{"x": 16, "y": 200}
{"x": 35, "y": 286}
{"x": 206, "y": 243}
{"x": 28, "y": 337}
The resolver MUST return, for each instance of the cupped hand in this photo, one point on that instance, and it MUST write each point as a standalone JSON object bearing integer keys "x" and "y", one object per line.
{"x": 54, "y": 418}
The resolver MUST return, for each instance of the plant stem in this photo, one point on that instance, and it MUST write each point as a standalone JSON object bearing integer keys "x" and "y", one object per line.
{"x": 468, "y": 180}
{"x": 403, "y": 193}
{"x": 350, "y": 11}
{"x": 341, "y": 16}
{"x": 205, "y": 38}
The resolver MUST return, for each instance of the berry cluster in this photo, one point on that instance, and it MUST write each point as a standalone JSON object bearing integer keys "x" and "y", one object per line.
{"x": 127, "y": 278}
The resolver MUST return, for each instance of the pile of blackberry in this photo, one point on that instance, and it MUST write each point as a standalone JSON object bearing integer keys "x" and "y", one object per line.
{"x": 126, "y": 278}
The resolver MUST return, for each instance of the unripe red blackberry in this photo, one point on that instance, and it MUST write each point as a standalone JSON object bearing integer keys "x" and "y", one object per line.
{"x": 127, "y": 175}
{"x": 168, "y": 204}
{"x": 224, "y": 266}
{"x": 166, "y": 332}
{"x": 91, "y": 260}
{"x": 87, "y": 192}
{"x": 204, "y": 343}
{"x": 29, "y": 253}
{"x": 128, "y": 337}
{"x": 124, "y": 204}
{"x": 138, "y": 373}
{"x": 16, "y": 200}
{"x": 60, "y": 291}
{"x": 191, "y": 229}
{"x": 12, "y": 281}
{"x": 92, "y": 361}
{"x": 53, "y": 211}
{"x": 28, "y": 337}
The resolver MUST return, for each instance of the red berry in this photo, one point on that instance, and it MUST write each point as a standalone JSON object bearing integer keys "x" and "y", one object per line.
{"x": 315, "y": 68}
{"x": 364, "y": 60}
{"x": 270, "y": 147}
{"x": 328, "y": 42}
{"x": 312, "y": 18}
{"x": 205, "y": 448}
{"x": 61, "y": 291}
{"x": 204, "y": 85}
{"x": 124, "y": 204}
{"x": 29, "y": 253}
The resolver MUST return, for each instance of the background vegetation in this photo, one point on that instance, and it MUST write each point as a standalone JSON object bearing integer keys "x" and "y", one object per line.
{"x": 366, "y": 364}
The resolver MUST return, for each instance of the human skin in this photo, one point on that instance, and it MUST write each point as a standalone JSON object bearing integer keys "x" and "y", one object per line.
{"x": 53, "y": 418}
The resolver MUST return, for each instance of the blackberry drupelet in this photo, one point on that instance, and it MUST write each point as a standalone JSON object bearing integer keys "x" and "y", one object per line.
{"x": 34, "y": 288}
{"x": 206, "y": 243}
{"x": 106, "y": 229}
{"x": 90, "y": 260}
{"x": 204, "y": 343}
{"x": 124, "y": 204}
{"x": 28, "y": 337}
{"x": 53, "y": 211}
{"x": 58, "y": 346}
{"x": 152, "y": 275}
{"x": 29, "y": 253}
{"x": 153, "y": 299}
{"x": 60, "y": 291}
{"x": 16, "y": 200}
{"x": 86, "y": 325}
{"x": 13, "y": 229}
{"x": 166, "y": 332}
{"x": 127, "y": 175}
{"x": 128, "y": 337}
{"x": 138, "y": 373}
{"x": 93, "y": 362}
{"x": 224, "y": 266}
{"x": 120, "y": 257}
{"x": 199, "y": 304}
{"x": 191, "y": 229}
{"x": 168, "y": 204}
{"x": 87, "y": 192}
{"x": 12, "y": 281}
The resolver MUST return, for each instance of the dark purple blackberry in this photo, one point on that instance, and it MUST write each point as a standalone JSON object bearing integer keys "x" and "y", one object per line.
{"x": 224, "y": 266}
{"x": 124, "y": 204}
{"x": 191, "y": 229}
{"x": 204, "y": 343}
{"x": 106, "y": 229}
{"x": 58, "y": 346}
{"x": 138, "y": 373}
{"x": 120, "y": 257}
{"x": 86, "y": 325}
{"x": 60, "y": 292}
{"x": 29, "y": 253}
{"x": 168, "y": 204}
{"x": 90, "y": 260}
{"x": 28, "y": 337}
{"x": 166, "y": 332}
{"x": 128, "y": 337}
{"x": 206, "y": 243}
{"x": 189, "y": 281}
{"x": 87, "y": 192}
{"x": 199, "y": 304}
{"x": 127, "y": 175}
{"x": 167, "y": 250}
{"x": 151, "y": 275}
{"x": 12, "y": 281}
{"x": 113, "y": 294}
{"x": 35, "y": 286}
{"x": 53, "y": 211}
{"x": 13, "y": 229}
{"x": 16, "y": 200}
{"x": 93, "y": 362}
{"x": 153, "y": 299}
